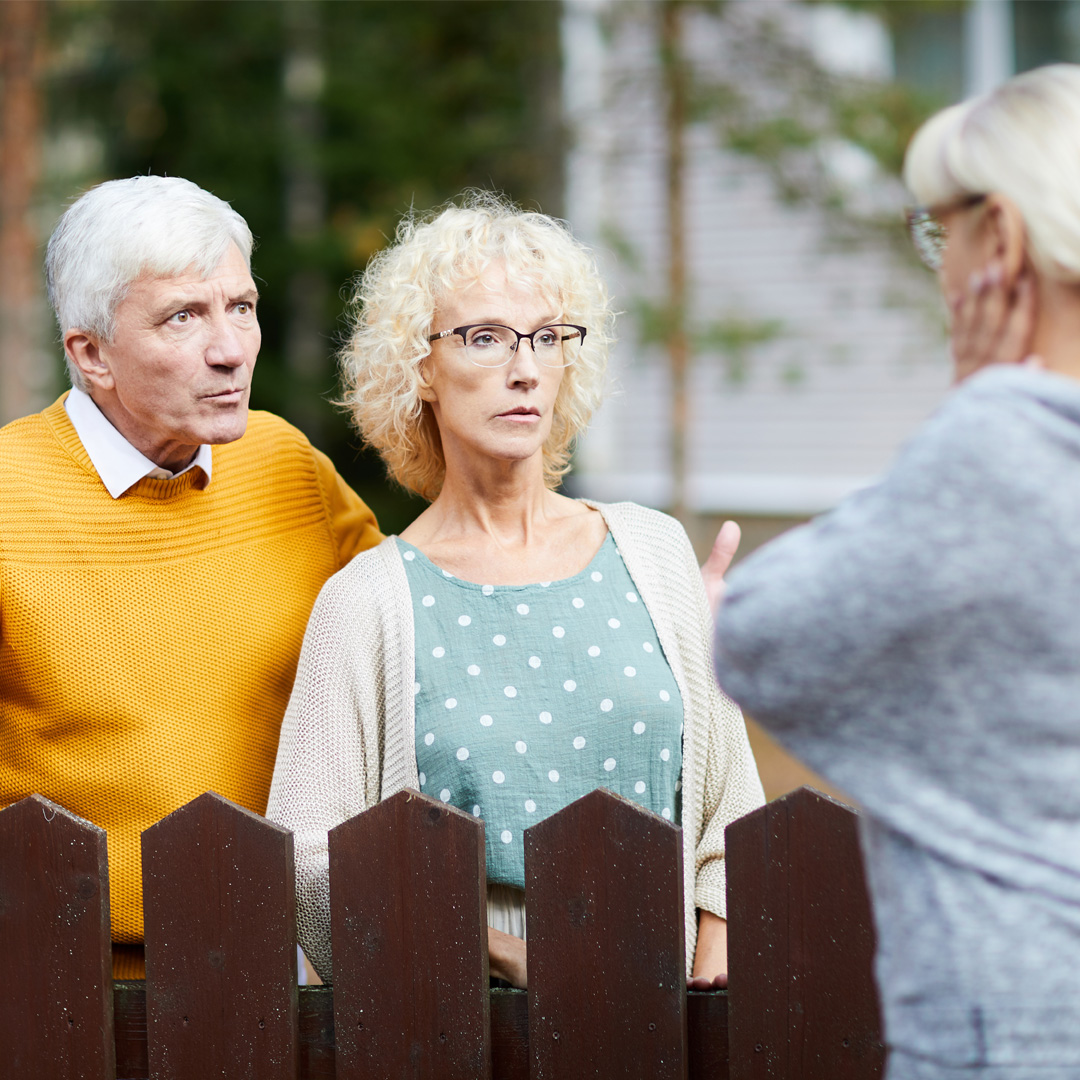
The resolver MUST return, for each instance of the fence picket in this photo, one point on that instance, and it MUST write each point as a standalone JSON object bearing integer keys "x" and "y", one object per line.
{"x": 607, "y": 979}
{"x": 408, "y": 909}
{"x": 800, "y": 945}
{"x": 220, "y": 916}
{"x": 55, "y": 957}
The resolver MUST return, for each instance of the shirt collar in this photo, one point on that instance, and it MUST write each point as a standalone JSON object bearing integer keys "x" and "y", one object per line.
{"x": 117, "y": 462}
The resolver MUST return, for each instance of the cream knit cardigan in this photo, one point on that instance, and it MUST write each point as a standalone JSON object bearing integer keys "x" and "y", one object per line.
{"x": 347, "y": 740}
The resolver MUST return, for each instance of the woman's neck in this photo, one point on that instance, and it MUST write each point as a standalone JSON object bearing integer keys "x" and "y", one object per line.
{"x": 508, "y": 505}
{"x": 506, "y": 529}
{"x": 1056, "y": 339}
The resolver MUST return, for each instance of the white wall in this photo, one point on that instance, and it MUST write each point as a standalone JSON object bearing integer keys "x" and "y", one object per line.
{"x": 860, "y": 357}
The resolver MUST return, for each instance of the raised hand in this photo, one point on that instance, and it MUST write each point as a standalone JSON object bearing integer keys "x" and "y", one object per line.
{"x": 723, "y": 551}
{"x": 992, "y": 320}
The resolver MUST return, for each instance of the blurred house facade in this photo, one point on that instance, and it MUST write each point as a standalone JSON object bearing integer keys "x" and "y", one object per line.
{"x": 823, "y": 343}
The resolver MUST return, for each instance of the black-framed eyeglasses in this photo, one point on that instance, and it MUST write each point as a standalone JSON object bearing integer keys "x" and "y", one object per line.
{"x": 928, "y": 233}
{"x": 491, "y": 345}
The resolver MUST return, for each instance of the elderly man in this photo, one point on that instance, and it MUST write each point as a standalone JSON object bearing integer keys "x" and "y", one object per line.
{"x": 160, "y": 549}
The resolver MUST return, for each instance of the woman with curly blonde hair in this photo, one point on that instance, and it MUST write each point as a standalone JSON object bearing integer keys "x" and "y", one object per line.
{"x": 513, "y": 649}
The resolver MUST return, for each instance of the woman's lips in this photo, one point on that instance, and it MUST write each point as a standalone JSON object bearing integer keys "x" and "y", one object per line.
{"x": 521, "y": 416}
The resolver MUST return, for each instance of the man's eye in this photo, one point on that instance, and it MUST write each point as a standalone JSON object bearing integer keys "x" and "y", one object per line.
{"x": 245, "y": 307}
{"x": 181, "y": 317}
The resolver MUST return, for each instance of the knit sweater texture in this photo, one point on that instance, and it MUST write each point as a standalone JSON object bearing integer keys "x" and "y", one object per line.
{"x": 148, "y": 644}
{"x": 920, "y": 647}
{"x": 348, "y": 738}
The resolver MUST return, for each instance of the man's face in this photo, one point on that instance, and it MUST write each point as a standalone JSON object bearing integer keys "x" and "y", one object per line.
{"x": 177, "y": 373}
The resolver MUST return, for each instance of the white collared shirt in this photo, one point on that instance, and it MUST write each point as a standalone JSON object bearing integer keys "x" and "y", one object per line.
{"x": 117, "y": 462}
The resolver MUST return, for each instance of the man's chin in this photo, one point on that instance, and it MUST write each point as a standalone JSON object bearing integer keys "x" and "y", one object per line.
{"x": 227, "y": 431}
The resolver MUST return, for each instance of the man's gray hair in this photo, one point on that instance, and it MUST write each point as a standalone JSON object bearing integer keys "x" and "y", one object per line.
{"x": 123, "y": 230}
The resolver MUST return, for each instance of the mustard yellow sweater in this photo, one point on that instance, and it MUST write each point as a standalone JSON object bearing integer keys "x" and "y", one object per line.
{"x": 148, "y": 644}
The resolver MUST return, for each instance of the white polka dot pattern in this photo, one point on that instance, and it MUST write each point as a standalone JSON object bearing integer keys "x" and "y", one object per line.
{"x": 586, "y": 642}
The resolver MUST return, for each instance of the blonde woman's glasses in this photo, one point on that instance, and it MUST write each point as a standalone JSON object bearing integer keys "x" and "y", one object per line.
{"x": 928, "y": 233}
{"x": 490, "y": 345}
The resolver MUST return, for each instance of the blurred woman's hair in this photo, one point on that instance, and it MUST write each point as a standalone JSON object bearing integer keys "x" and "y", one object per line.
{"x": 123, "y": 230}
{"x": 433, "y": 256}
{"x": 1021, "y": 139}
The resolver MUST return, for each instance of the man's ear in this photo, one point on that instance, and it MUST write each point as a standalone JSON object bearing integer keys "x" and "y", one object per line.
{"x": 1007, "y": 235}
{"x": 85, "y": 352}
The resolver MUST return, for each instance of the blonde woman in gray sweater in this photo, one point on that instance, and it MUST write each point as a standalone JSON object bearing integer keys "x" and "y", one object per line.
{"x": 513, "y": 649}
{"x": 920, "y": 646}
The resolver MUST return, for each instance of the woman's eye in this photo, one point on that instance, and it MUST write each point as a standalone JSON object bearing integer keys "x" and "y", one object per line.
{"x": 484, "y": 340}
{"x": 548, "y": 337}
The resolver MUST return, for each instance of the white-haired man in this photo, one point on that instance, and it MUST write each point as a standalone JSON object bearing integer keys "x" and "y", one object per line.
{"x": 160, "y": 548}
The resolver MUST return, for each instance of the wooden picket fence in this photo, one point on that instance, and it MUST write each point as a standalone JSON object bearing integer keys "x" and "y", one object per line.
{"x": 607, "y": 995}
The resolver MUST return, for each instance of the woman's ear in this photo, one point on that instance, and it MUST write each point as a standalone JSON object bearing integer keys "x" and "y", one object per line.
{"x": 1006, "y": 235}
{"x": 424, "y": 388}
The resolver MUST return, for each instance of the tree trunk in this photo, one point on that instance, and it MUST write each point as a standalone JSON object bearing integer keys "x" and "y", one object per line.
{"x": 674, "y": 74}
{"x": 306, "y": 346}
{"x": 23, "y": 375}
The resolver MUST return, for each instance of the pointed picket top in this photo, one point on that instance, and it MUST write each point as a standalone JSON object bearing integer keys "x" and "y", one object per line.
{"x": 802, "y": 999}
{"x": 607, "y": 973}
{"x": 408, "y": 903}
{"x": 220, "y": 926}
{"x": 55, "y": 950}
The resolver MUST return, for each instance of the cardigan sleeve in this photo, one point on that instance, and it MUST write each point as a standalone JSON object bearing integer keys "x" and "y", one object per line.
{"x": 329, "y": 753}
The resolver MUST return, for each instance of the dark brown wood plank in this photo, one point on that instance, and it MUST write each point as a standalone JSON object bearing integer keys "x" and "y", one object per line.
{"x": 607, "y": 976}
{"x": 317, "y": 1054}
{"x": 55, "y": 953}
{"x": 800, "y": 945}
{"x": 129, "y": 1010}
{"x": 220, "y": 927}
{"x": 408, "y": 904}
{"x": 706, "y": 1014}
{"x": 707, "y": 1022}
{"x": 510, "y": 1034}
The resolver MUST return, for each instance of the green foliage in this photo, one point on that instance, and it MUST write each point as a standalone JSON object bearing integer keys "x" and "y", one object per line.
{"x": 882, "y": 119}
{"x": 406, "y": 105}
{"x": 733, "y": 338}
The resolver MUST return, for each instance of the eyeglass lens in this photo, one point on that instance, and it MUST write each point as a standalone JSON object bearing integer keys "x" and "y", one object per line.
{"x": 928, "y": 236}
{"x": 492, "y": 346}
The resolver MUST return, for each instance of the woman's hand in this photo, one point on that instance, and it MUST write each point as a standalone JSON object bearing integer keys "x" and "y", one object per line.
{"x": 506, "y": 958}
{"x": 992, "y": 321}
{"x": 710, "y": 957}
{"x": 723, "y": 551}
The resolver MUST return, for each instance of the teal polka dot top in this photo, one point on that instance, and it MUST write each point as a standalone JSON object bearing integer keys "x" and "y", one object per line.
{"x": 530, "y": 696}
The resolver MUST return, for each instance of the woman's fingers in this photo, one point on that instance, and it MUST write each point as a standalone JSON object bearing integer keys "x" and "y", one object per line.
{"x": 993, "y": 321}
{"x": 716, "y": 565}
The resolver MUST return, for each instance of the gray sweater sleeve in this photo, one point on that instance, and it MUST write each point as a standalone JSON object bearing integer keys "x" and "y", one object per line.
{"x": 910, "y": 596}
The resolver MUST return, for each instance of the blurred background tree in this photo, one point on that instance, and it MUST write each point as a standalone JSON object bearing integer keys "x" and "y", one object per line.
{"x": 322, "y": 123}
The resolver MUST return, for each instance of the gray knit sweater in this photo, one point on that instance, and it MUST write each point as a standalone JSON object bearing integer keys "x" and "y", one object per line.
{"x": 920, "y": 647}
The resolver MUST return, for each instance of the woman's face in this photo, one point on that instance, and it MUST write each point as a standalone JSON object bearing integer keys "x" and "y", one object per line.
{"x": 491, "y": 413}
{"x": 969, "y": 247}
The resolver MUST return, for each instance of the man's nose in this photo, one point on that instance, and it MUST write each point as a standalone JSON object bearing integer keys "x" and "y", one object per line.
{"x": 226, "y": 345}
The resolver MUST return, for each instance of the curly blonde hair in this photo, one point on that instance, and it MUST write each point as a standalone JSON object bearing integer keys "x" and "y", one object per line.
{"x": 392, "y": 309}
